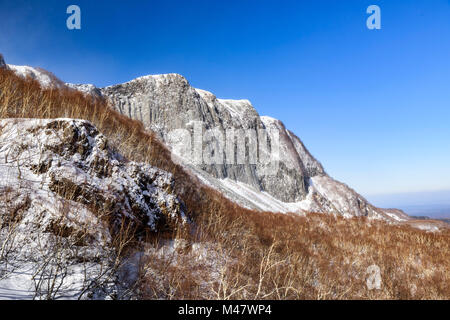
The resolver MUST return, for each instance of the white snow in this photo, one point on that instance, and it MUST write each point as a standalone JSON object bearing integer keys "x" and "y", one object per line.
{"x": 87, "y": 89}
{"x": 263, "y": 200}
{"x": 427, "y": 227}
{"x": 236, "y": 108}
{"x": 393, "y": 215}
{"x": 45, "y": 78}
{"x": 159, "y": 79}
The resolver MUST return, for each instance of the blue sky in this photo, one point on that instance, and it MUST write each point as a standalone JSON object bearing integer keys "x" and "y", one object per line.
{"x": 372, "y": 105}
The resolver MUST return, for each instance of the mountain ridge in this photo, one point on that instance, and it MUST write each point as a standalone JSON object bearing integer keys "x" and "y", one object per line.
{"x": 291, "y": 185}
{"x": 164, "y": 103}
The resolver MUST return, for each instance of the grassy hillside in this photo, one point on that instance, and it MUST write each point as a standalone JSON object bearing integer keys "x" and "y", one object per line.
{"x": 248, "y": 254}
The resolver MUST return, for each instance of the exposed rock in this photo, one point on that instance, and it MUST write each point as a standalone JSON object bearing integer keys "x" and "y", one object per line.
{"x": 88, "y": 89}
{"x": 66, "y": 195}
{"x": 165, "y": 103}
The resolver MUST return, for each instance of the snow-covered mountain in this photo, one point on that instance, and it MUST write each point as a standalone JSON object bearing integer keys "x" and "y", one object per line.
{"x": 167, "y": 103}
{"x": 177, "y": 112}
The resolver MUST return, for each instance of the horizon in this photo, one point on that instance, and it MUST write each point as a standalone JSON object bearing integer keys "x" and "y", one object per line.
{"x": 376, "y": 101}
{"x": 431, "y": 203}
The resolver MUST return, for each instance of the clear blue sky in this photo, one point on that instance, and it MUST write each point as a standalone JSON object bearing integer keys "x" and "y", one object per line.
{"x": 372, "y": 105}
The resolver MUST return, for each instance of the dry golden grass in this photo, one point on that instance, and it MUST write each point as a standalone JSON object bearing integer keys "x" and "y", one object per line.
{"x": 268, "y": 255}
{"x": 326, "y": 257}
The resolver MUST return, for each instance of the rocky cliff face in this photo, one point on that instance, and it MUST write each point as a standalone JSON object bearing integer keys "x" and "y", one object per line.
{"x": 298, "y": 182}
{"x": 167, "y": 103}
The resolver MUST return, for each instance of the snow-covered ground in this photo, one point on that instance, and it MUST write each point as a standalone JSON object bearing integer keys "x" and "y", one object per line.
{"x": 63, "y": 192}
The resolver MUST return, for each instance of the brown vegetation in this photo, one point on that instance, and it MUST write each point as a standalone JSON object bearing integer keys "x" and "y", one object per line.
{"x": 265, "y": 255}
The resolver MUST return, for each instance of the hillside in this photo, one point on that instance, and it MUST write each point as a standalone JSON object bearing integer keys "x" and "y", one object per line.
{"x": 177, "y": 237}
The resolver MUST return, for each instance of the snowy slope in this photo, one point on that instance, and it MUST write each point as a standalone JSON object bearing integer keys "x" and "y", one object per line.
{"x": 64, "y": 195}
{"x": 45, "y": 78}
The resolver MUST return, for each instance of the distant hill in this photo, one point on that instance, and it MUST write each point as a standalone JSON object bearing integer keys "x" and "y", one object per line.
{"x": 433, "y": 204}
{"x": 428, "y": 218}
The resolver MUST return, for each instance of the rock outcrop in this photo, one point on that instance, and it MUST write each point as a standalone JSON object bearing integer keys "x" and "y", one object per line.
{"x": 65, "y": 196}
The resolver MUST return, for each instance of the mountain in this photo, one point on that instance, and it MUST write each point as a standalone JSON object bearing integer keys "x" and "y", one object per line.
{"x": 169, "y": 106}
{"x": 253, "y": 160}
{"x": 95, "y": 207}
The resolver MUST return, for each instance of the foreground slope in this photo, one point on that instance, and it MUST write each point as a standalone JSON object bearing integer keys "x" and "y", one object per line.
{"x": 65, "y": 195}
